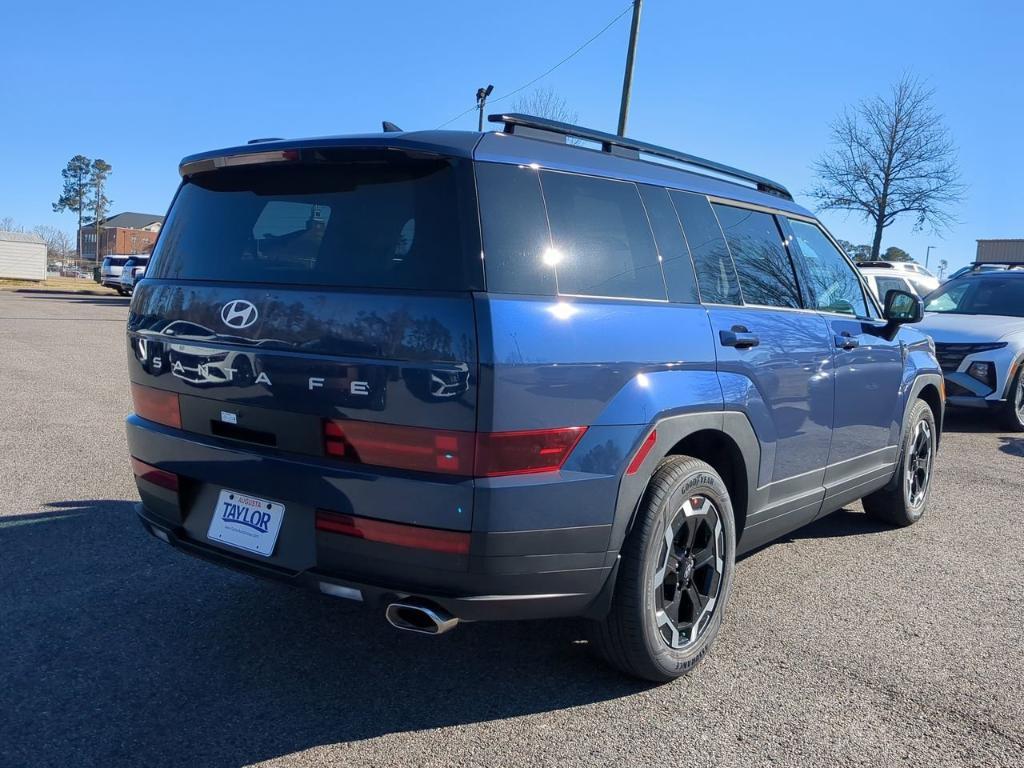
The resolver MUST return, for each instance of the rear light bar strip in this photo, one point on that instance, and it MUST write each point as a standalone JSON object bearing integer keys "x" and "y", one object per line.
{"x": 157, "y": 405}
{"x": 154, "y": 475}
{"x": 470, "y": 454}
{"x": 398, "y": 534}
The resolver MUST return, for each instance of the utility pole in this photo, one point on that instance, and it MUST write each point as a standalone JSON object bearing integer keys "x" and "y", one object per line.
{"x": 927, "y": 255}
{"x": 627, "y": 78}
{"x": 481, "y": 100}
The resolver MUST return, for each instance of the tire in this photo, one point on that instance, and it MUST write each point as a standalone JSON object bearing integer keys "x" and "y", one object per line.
{"x": 638, "y": 636}
{"x": 1012, "y": 412}
{"x": 902, "y": 502}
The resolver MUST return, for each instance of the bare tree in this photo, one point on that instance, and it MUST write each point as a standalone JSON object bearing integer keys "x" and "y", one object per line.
{"x": 8, "y": 224}
{"x": 891, "y": 156}
{"x": 58, "y": 243}
{"x": 544, "y": 102}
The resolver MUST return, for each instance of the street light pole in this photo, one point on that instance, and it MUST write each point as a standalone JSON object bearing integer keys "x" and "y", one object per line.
{"x": 481, "y": 100}
{"x": 627, "y": 78}
{"x": 927, "y": 255}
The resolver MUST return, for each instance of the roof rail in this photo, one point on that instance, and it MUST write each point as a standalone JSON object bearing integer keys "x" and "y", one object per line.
{"x": 876, "y": 263}
{"x": 553, "y": 130}
{"x": 1008, "y": 264}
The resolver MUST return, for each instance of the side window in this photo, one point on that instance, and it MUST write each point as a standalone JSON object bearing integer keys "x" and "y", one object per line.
{"x": 675, "y": 256}
{"x": 766, "y": 274}
{"x": 885, "y": 284}
{"x": 716, "y": 275}
{"x": 834, "y": 283}
{"x": 515, "y": 230}
{"x": 601, "y": 242}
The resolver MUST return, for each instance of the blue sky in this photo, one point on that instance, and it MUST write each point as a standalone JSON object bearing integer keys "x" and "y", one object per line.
{"x": 752, "y": 84}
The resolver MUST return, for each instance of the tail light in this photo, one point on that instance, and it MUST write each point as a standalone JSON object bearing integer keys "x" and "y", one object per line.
{"x": 156, "y": 405}
{"x": 399, "y": 534}
{"x": 154, "y": 475}
{"x": 518, "y": 453}
{"x": 484, "y": 454}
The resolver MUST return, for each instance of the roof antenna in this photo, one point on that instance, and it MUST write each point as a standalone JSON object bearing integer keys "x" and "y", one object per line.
{"x": 390, "y": 127}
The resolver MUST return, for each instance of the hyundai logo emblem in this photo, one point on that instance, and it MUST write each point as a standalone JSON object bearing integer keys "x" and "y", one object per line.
{"x": 239, "y": 314}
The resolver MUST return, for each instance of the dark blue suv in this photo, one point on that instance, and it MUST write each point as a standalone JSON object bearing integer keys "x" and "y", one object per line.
{"x": 471, "y": 376}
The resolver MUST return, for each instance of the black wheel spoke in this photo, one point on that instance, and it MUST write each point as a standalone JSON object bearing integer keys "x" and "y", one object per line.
{"x": 697, "y": 600}
{"x": 692, "y": 524}
{"x": 704, "y": 558}
{"x": 672, "y": 608}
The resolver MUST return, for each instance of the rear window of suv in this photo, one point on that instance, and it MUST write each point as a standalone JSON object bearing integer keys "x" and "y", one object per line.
{"x": 372, "y": 223}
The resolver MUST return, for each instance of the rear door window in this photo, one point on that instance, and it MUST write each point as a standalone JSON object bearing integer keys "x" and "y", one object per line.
{"x": 376, "y": 222}
{"x": 601, "y": 241}
{"x": 716, "y": 275}
{"x": 834, "y": 284}
{"x": 766, "y": 274}
{"x": 675, "y": 256}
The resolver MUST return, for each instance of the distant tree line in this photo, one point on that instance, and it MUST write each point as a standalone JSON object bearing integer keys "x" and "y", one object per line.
{"x": 863, "y": 252}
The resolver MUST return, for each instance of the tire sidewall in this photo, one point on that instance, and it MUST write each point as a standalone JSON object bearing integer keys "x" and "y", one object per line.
{"x": 1013, "y": 419}
{"x": 698, "y": 481}
{"x": 921, "y": 412}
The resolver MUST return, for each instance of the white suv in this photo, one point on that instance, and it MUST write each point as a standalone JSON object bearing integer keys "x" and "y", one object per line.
{"x": 977, "y": 323}
{"x": 884, "y": 276}
{"x": 132, "y": 271}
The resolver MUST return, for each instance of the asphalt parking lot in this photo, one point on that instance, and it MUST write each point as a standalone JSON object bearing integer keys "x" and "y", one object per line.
{"x": 846, "y": 644}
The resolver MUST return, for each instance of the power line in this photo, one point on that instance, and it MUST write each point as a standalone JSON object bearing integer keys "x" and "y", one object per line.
{"x": 604, "y": 29}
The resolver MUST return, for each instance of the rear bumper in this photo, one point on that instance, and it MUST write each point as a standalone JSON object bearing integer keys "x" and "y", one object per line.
{"x": 506, "y": 574}
{"x": 539, "y": 595}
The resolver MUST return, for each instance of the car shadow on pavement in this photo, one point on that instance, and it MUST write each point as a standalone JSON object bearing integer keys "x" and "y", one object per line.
{"x": 974, "y": 422}
{"x": 844, "y": 522}
{"x": 111, "y": 300}
{"x": 119, "y": 650}
{"x": 1012, "y": 445}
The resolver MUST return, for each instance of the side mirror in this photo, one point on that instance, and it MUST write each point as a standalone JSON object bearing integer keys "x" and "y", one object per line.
{"x": 902, "y": 307}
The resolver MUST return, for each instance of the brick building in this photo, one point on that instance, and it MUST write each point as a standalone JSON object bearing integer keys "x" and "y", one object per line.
{"x": 122, "y": 233}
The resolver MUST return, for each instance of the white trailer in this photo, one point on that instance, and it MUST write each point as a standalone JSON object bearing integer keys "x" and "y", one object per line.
{"x": 22, "y": 256}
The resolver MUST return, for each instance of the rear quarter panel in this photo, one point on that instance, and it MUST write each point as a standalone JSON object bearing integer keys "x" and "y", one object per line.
{"x": 612, "y": 366}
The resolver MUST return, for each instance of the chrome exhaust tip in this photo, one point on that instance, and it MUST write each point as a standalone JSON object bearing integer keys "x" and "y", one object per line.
{"x": 422, "y": 617}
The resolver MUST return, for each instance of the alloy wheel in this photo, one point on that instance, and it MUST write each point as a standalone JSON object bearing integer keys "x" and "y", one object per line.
{"x": 919, "y": 464}
{"x": 688, "y": 575}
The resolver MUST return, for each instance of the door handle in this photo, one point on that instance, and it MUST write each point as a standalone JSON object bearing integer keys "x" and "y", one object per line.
{"x": 738, "y": 336}
{"x": 845, "y": 341}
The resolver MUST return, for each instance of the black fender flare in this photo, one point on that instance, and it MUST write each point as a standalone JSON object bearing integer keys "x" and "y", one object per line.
{"x": 920, "y": 382}
{"x": 670, "y": 431}
{"x": 913, "y": 393}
